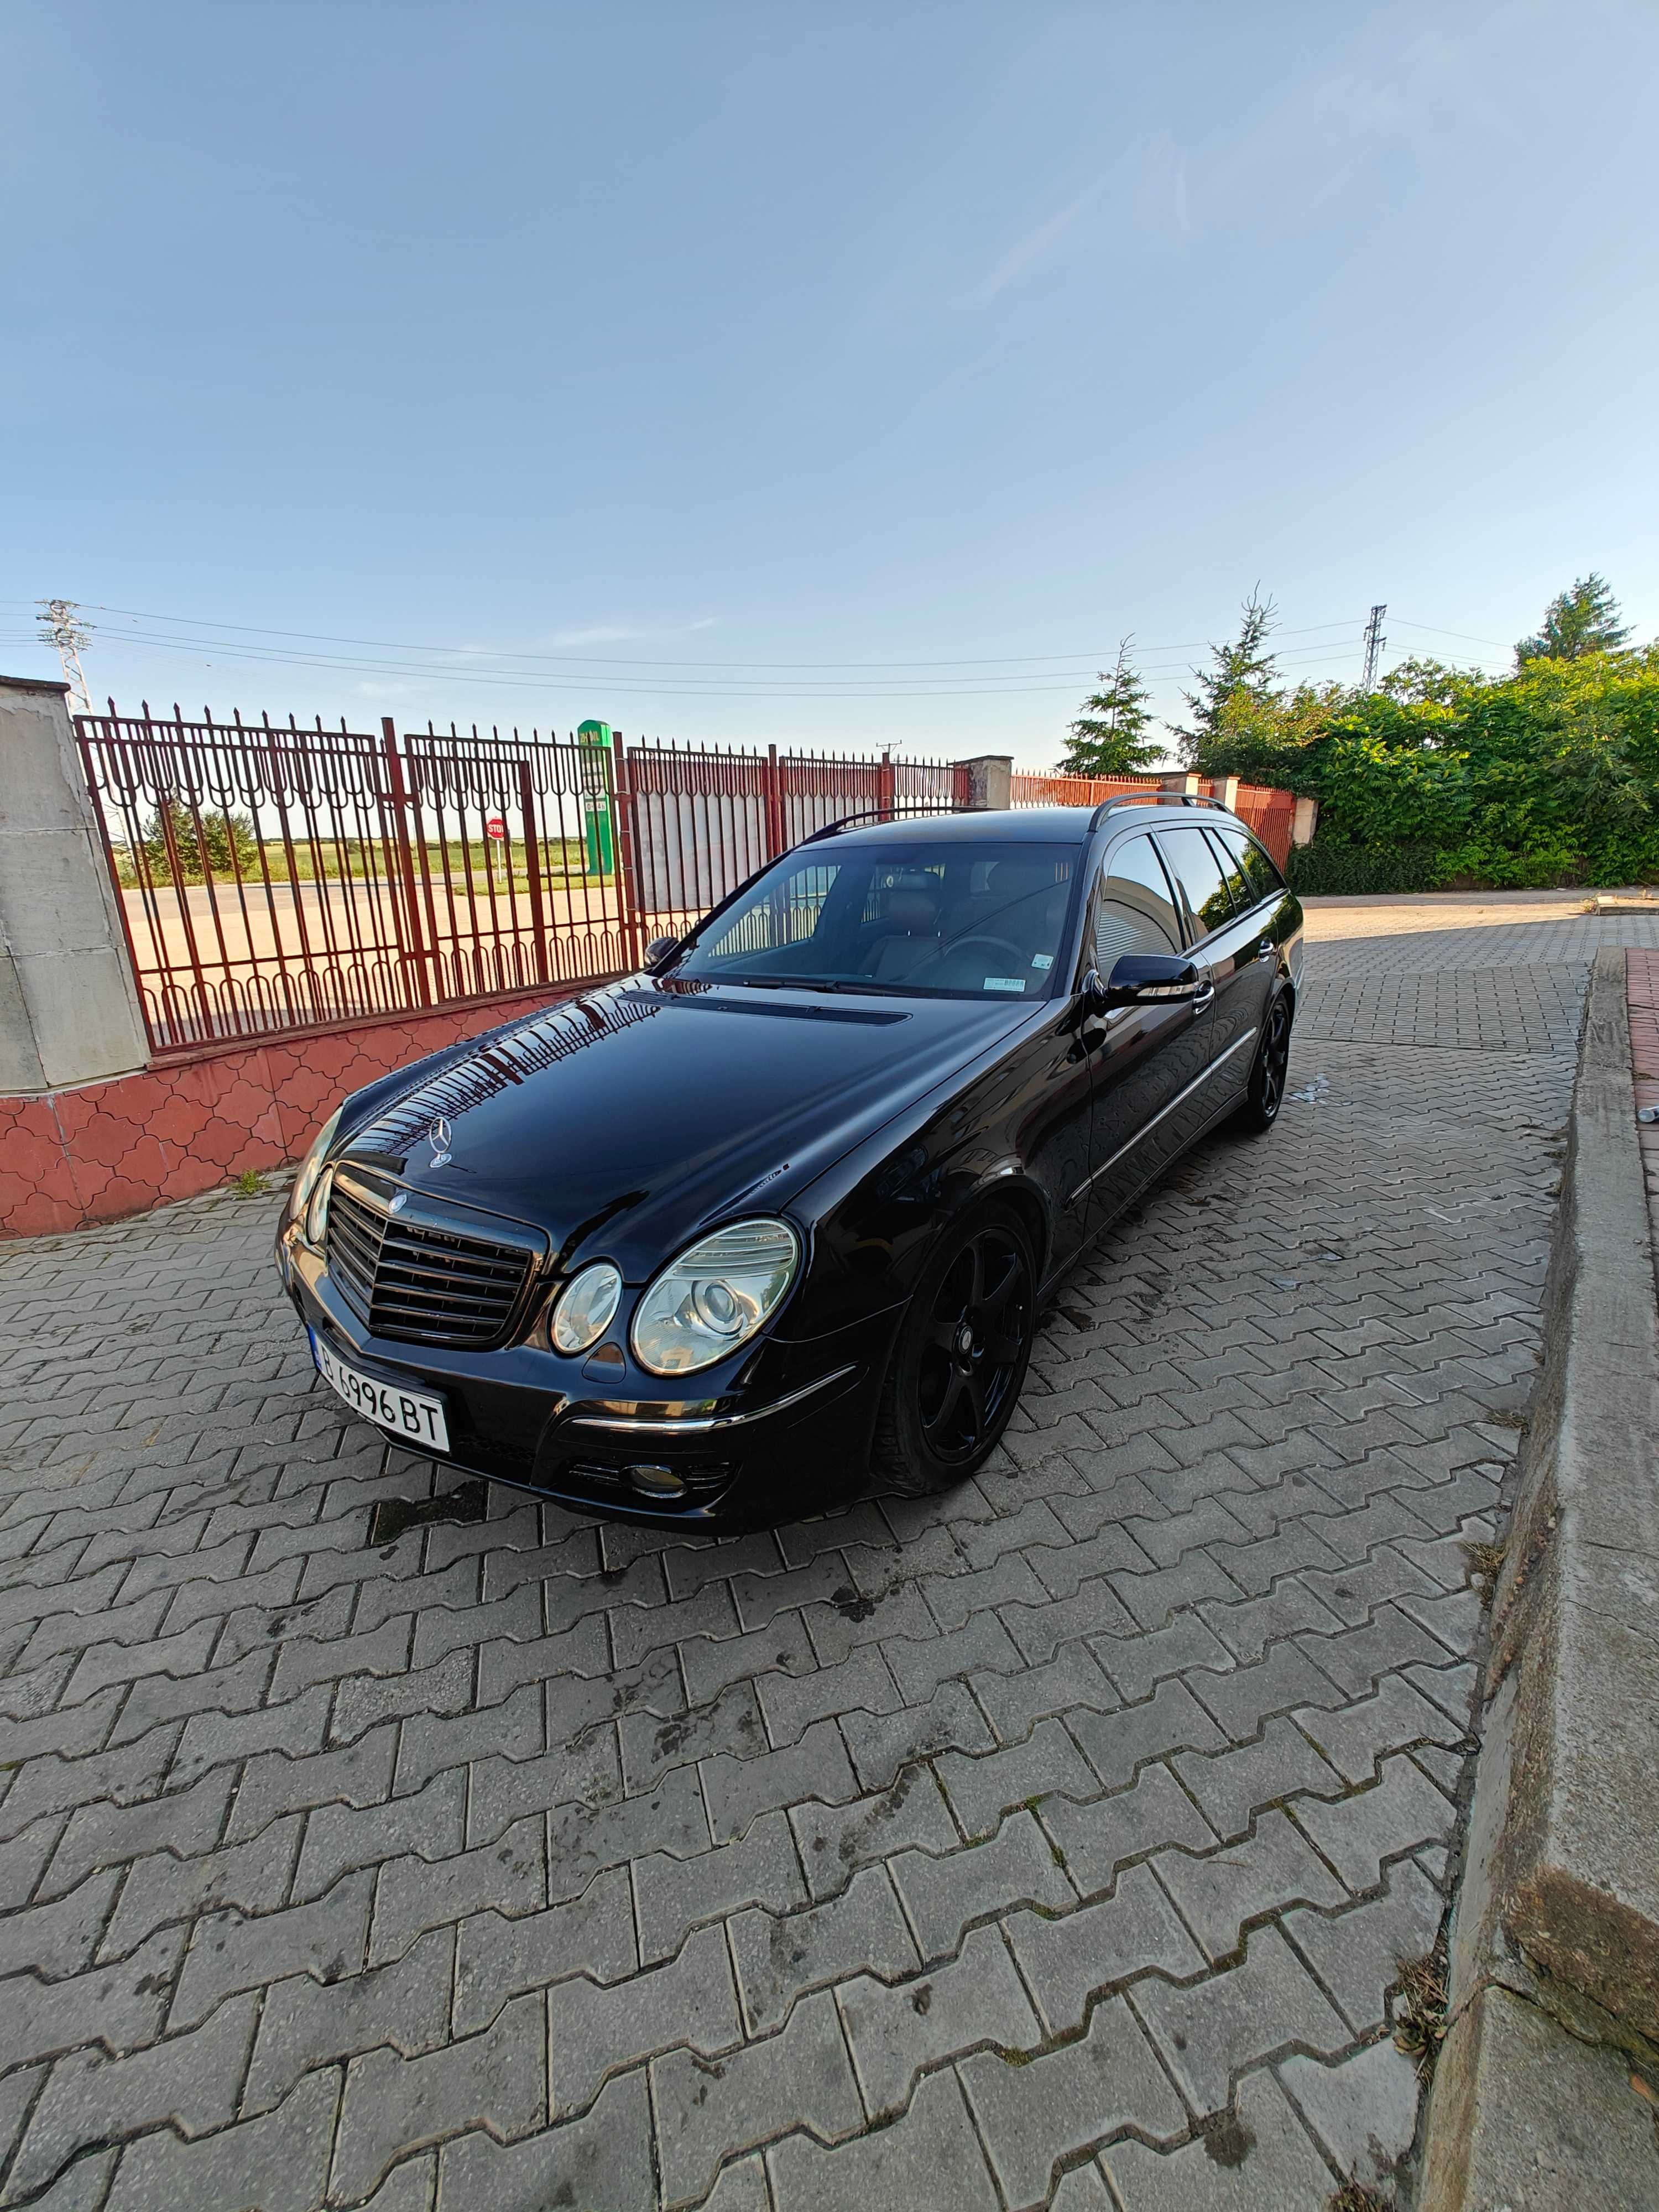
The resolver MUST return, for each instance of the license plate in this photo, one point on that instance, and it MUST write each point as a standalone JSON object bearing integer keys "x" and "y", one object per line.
{"x": 414, "y": 1416}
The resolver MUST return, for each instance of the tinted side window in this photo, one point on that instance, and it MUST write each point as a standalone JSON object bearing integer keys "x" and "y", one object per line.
{"x": 1198, "y": 873}
{"x": 1243, "y": 897}
{"x": 1134, "y": 910}
{"x": 1264, "y": 879}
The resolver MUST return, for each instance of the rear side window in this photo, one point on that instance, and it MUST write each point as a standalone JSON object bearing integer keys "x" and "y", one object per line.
{"x": 1134, "y": 909}
{"x": 1263, "y": 879}
{"x": 1232, "y": 869}
{"x": 1198, "y": 873}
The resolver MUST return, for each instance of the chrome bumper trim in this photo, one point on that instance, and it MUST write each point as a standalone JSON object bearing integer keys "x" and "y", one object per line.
{"x": 701, "y": 1424}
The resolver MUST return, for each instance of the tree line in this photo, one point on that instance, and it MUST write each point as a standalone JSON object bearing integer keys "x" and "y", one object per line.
{"x": 1441, "y": 775}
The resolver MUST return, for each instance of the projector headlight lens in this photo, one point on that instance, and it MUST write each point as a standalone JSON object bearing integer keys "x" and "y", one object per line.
{"x": 714, "y": 1297}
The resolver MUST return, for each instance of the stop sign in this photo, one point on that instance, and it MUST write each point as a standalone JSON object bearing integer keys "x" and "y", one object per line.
{"x": 495, "y": 825}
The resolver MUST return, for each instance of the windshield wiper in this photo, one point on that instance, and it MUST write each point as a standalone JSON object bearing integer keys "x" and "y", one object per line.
{"x": 858, "y": 986}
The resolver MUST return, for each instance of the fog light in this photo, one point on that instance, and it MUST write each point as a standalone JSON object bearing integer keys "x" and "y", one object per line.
{"x": 656, "y": 1482}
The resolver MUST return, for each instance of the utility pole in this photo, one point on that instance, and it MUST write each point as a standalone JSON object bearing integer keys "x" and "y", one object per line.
{"x": 61, "y": 625}
{"x": 1375, "y": 642}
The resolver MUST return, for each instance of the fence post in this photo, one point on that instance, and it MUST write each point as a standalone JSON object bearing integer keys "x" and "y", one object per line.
{"x": 1226, "y": 790}
{"x": 990, "y": 780}
{"x": 1187, "y": 784}
{"x": 1305, "y": 820}
{"x": 69, "y": 1003}
{"x": 627, "y": 879}
{"x": 772, "y": 804}
{"x": 887, "y": 786}
{"x": 532, "y": 862}
{"x": 410, "y": 948}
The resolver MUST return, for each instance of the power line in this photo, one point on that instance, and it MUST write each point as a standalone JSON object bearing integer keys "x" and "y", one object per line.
{"x": 616, "y": 661}
{"x": 495, "y": 676}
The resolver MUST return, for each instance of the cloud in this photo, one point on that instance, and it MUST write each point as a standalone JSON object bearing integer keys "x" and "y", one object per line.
{"x": 1038, "y": 245}
{"x": 619, "y": 633}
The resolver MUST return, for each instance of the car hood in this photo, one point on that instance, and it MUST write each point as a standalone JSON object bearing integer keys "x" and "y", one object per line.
{"x": 623, "y": 1121}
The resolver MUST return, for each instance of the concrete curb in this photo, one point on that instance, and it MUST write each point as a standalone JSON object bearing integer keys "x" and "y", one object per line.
{"x": 1554, "y": 1980}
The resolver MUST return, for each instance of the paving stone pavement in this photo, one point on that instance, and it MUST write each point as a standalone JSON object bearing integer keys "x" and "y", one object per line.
{"x": 1052, "y": 1843}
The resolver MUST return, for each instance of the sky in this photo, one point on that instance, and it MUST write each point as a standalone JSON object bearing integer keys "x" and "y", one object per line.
{"x": 834, "y": 375}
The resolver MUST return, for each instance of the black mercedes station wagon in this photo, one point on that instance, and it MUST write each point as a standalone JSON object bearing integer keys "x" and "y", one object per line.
{"x": 712, "y": 1243}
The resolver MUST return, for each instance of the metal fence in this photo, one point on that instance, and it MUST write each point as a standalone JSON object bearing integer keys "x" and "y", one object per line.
{"x": 272, "y": 879}
{"x": 1270, "y": 812}
{"x": 701, "y": 821}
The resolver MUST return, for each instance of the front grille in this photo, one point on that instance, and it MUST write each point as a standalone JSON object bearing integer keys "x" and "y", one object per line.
{"x": 417, "y": 1283}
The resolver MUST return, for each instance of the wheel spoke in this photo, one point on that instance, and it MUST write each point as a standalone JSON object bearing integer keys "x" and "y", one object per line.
{"x": 974, "y": 1386}
{"x": 995, "y": 1300}
{"x": 954, "y": 1387}
{"x": 976, "y": 1279}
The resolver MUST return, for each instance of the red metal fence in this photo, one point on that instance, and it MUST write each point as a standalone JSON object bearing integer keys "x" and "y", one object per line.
{"x": 273, "y": 879}
{"x": 1270, "y": 812}
{"x": 698, "y": 822}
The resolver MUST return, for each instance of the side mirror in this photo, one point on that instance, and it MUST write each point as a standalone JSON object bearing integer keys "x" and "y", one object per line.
{"x": 660, "y": 950}
{"x": 1143, "y": 978}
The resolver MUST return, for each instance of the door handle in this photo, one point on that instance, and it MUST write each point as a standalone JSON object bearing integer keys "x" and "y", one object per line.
{"x": 1265, "y": 950}
{"x": 1203, "y": 993}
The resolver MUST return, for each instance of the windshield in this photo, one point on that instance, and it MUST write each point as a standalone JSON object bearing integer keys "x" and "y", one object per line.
{"x": 979, "y": 920}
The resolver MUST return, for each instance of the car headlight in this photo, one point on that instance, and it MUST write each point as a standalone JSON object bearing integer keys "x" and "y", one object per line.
{"x": 305, "y": 1184}
{"x": 582, "y": 1311}
{"x": 714, "y": 1297}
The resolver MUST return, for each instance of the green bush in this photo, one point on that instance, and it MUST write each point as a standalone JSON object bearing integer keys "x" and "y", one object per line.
{"x": 1443, "y": 778}
{"x": 1329, "y": 868}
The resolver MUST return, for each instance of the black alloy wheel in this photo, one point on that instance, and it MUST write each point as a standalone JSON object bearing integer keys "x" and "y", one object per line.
{"x": 1265, "y": 1092}
{"x": 961, "y": 1358}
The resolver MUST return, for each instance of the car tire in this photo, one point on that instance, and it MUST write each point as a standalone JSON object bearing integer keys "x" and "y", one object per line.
{"x": 959, "y": 1364}
{"x": 1264, "y": 1094}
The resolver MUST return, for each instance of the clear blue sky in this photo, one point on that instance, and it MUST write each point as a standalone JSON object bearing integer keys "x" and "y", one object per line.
{"x": 645, "y": 334}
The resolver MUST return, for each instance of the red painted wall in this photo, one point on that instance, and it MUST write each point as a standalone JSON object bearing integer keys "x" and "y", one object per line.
{"x": 192, "y": 1121}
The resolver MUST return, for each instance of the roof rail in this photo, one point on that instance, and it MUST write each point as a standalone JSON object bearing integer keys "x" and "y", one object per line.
{"x": 1157, "y": 799}
{"x": 885, "y": 814}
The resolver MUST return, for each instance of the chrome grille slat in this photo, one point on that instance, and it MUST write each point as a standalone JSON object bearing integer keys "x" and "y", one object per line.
{"x": 421, "y": 1284}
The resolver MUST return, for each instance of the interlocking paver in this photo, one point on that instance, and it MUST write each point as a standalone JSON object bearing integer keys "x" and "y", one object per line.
{"x": 1206, "y": 1611}
{"x": 497, "y": 2080}
{"x": 709, "y": 2110}
{"x": 592, "y": 2031}
{"x": 942, "y": 1894}
{"x": 1070, "y": 1959}
{"x": 930, "y": 2156}
{"x": 1032, "y": 2117}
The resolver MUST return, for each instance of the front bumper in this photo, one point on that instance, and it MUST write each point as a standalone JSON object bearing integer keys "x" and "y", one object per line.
{"x": 793, "y": 1435}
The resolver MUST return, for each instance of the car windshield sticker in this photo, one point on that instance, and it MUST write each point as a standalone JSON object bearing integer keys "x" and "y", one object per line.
{"x": 1005, "y": 983}
{"x": 1042, "y": 960}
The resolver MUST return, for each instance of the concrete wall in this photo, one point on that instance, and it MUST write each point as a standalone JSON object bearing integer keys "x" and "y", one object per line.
{"x": 69, "y": 1012}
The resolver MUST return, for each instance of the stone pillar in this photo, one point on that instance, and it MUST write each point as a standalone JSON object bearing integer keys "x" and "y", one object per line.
{"x": 990, "y": 779}
{"x": 69, "y": 1009}
{"x": 1226, "y": 790}
{"x": 1304, "y": 821}
{"x": 1187, "y": 783}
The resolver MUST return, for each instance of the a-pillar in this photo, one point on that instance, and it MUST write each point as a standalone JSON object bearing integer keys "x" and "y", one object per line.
{"x": 69, "y": 1010}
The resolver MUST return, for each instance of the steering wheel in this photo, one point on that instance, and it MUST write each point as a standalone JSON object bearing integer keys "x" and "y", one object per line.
{"x": 950, "y": 954}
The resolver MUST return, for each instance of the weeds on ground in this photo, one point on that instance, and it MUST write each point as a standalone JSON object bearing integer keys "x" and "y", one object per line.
{"x": 1482, "y": 1564}
{"x": 249, "y": 1183}
{"x": 1419, "y": 2010}
{"x": 1357, "y": 2196}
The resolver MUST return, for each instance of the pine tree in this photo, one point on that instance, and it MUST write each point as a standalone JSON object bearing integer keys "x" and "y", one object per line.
{"x": 1110, "y": 737}
{"x": 1580, "y": 621}
{"x": 1242, "y": 672}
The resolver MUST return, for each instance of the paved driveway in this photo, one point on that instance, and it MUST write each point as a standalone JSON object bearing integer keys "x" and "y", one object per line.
{"x": 1055, "y": 1842}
